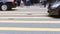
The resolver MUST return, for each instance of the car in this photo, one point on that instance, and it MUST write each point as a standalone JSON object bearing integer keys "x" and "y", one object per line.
{"x": 7, "y": 4}
{"x": 54, "y": 8}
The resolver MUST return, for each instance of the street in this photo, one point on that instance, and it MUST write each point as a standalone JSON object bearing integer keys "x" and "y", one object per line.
{"x": 28, "y": 20}
{"x": 24, "y": 11}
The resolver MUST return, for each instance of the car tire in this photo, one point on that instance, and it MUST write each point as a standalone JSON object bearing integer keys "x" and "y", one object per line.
{"x": 4, "y": 7}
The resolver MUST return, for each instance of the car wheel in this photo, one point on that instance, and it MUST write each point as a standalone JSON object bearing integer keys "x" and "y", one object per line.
{"x": 4, "y": 7}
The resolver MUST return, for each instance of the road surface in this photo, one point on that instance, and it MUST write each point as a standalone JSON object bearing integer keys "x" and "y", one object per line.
{"x": 28, "y": 20}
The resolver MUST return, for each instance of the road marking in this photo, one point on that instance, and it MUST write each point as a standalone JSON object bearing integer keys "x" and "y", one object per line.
{"x": 25, "y": 17}
{"x": 31, "y": 7}
{"x": 23, "y": 14}
{"x": 20, "y": 21}
{"x": 8, "y": 18}
{"x": 30, "y": 29}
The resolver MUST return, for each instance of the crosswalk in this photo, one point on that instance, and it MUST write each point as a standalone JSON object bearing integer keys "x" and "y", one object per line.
{"x": 29, "y": 29}
{"x": 24, "y": 12}
{"x": 32, "y": 26}
{"x": 34, "y": 20}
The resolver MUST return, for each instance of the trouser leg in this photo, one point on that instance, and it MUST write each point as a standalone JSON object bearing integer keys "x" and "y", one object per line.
{"x": 45, "y": 3}
{"x": 32, "y": 2}
{"x": 19, "y": 2}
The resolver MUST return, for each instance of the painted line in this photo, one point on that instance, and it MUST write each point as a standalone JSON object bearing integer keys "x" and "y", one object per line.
{"x": 26, "y": 14}
{"x": 25, "y": 17}
{"x": 20, "y": 21}
{"x": 30, "y": 29}
{"x": 32, "y": 7}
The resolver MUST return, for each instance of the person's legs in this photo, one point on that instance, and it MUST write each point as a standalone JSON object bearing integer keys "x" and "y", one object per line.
{"x": 24, "y": 1}
{"x": 19, "y": 2}
{"x": 32, "y": 2}
{"x": 45, "y": 3}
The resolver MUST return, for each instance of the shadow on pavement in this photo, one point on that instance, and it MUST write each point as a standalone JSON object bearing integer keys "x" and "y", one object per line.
{"x": 54, "y": 16}
{"x": 10, "y": 10}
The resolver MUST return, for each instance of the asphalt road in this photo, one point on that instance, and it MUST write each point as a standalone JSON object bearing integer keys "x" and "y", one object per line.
{"x": 28, "y": 32}
{"x": 24, "y": 11}
{"x": 28, "y": 20}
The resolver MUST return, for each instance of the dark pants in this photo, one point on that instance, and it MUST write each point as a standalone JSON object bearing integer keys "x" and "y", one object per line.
{"x": 32, "y": 2}
{"x": 45, "y": 2}
{"x": 18, "y": 3}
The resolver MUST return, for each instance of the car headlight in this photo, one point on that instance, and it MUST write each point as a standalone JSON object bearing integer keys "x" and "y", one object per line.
{"x": 55, "y": 6}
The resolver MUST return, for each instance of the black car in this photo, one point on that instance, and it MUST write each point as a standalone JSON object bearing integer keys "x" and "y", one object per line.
{"x": 7, "y": 4}
{"x": 54, "y": 8}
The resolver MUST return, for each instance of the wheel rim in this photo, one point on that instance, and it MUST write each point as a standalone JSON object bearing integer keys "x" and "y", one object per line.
{"x": 4, "y": 7}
